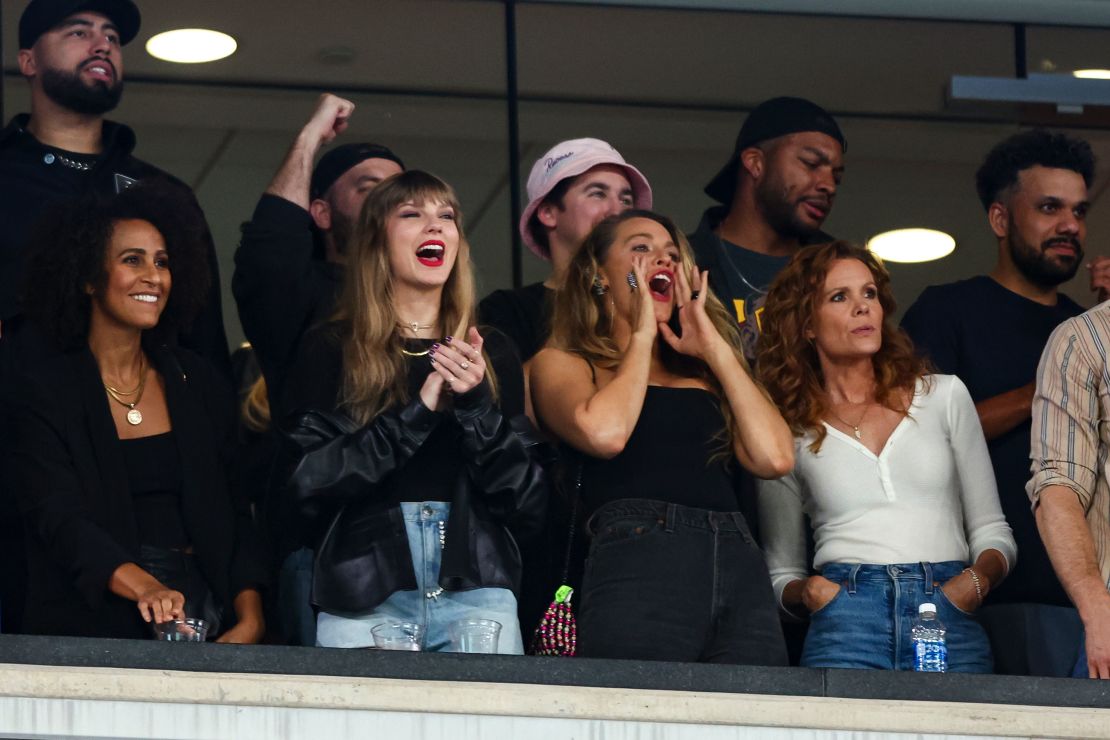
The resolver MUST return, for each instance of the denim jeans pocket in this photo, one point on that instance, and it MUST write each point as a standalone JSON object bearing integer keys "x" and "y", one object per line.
{"x": 622, "y": 530}
{"x": 830, "y": 602}
{"x": 945, "y": 601}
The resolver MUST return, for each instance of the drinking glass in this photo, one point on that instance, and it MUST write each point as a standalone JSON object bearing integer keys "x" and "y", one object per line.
{"x": 181, "y": 630}
{"x": 399, "y": 636}
{"x": 475, "y": 635}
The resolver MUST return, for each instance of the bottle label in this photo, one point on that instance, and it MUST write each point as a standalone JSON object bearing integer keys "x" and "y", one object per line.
{"x": 930, "y": 656}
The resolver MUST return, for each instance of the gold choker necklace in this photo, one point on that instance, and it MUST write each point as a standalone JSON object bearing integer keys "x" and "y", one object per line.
{"x": 134, "y": 416}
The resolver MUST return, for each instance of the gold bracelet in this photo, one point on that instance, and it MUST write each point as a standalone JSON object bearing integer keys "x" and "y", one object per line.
{"x": 978, "y": 584}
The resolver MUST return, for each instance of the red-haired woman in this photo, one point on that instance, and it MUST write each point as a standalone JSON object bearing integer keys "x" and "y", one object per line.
{"x": 892, "y": 470}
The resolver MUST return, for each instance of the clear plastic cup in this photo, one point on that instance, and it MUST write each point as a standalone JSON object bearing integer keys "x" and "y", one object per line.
{"x": 399, "y": 636}
{"x": 475, "y": 635}
{"x": 181, "y": 630}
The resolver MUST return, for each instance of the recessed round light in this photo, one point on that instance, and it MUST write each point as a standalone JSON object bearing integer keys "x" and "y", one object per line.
{"x": 1092, "y": 74}
{"x": 191, "y": 46}
{"x": 912, "y": 245}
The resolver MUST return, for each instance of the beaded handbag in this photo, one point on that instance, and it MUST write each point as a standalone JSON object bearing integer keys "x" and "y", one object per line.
{"x": 557, "y": 632}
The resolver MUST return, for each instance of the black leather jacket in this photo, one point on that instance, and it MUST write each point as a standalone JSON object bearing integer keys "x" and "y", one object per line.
{"x": 363, "y": 555}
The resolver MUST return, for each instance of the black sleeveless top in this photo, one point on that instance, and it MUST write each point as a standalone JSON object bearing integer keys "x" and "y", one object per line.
{"x": 678, "y": 453}
{"x": 155, "y": 478}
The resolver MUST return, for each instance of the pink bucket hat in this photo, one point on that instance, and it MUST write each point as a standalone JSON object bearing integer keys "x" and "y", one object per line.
{"x": 570, "y": 159}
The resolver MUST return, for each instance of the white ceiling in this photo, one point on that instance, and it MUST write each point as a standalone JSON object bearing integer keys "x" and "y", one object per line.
{"x": 668, "y": 87}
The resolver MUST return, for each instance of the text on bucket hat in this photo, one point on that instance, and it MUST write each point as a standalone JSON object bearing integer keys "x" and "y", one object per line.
{"x": 570, "y": 159}
{"x": 769, "y": 120}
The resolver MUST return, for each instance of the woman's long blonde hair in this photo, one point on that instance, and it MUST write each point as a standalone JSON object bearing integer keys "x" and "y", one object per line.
{"x": 787, "y": 361}
{"x": 582, "y": 320}
{"x": 374, "y": 368}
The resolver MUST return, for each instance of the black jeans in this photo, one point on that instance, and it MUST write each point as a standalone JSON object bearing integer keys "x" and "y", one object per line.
{"x": 671, "y": 582}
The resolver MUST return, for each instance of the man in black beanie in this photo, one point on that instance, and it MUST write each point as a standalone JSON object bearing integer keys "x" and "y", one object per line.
{"x": 776, "y": 191}
{"x": 289, "y": 265}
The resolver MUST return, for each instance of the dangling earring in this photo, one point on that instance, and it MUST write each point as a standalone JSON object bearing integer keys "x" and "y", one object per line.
{"x": 599, "y": 288}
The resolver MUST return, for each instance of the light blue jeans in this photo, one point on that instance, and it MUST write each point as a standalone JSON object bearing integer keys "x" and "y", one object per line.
{"x": 867, "y": 624}
{"x": 428, "y": 605}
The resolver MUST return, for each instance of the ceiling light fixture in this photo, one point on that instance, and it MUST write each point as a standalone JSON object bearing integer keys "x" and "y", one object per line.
{"x": 912, "y": 245}
{"x": 191, "y": 46}
{"x": 1092, "y": 74}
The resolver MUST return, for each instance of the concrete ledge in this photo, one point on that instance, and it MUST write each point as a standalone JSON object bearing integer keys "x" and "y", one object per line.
{"x": 360, "y": 690}
{"x": 298, "y": 692}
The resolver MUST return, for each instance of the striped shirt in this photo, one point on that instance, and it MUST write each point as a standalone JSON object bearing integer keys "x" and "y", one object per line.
{"x": 1071, "y": 421}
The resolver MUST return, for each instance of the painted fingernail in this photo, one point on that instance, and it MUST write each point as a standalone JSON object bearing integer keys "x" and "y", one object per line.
{"x": 448, "y": 339}
{"x": 434, "y": 347}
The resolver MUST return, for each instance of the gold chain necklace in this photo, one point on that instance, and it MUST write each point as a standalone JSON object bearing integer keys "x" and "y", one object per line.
{"x": 134, "y": 416}
{"x": 855, "y": 427}
{"x": 416, "y": 327}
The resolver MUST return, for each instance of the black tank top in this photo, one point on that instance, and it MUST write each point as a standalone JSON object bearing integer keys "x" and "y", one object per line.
{"x": 155, "y": 477}
{"x": 672, "y": 456}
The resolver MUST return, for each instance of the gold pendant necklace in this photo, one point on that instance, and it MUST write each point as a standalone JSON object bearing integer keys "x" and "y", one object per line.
{"x": 134, "y": 416}
{"x": 414, "y": 326}
{"x": 855, "y": 427}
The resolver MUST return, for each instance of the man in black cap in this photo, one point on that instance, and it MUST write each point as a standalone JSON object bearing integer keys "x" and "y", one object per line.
{"x": 288, "y": 272}
{"x": 289, "y": 265}
{"x": 776, "y": 189}
{"x": 70, "y": 52}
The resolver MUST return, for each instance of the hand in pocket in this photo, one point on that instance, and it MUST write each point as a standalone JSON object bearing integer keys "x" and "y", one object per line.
{"x": 818, "y": 592}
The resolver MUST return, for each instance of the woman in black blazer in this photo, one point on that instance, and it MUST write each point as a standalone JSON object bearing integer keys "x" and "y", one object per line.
{"x": 118, "y": 440}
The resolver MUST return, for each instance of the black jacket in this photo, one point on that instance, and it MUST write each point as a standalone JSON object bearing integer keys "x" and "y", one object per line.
{"x": 281, "y": 287}
{"x": 65, "y": 467}
{"x": 33, "y": 178}
{"x": 341, "y": 480}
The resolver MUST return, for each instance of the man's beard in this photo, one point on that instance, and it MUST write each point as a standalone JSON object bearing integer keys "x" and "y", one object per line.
{"x": 780, "y": 213}
{"x": 69, "y": 91}
{"x": 1035, "y": 263}
{"x": 341, "y": 228}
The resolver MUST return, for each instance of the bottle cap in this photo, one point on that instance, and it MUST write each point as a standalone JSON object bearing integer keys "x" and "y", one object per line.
{"x": 927, "y": 607}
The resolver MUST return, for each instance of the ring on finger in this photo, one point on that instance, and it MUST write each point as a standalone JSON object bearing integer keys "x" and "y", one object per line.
{"x": 464, "y": 365}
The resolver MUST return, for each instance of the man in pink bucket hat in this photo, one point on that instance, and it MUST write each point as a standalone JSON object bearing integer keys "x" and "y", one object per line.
{"x": 572, "y": 187}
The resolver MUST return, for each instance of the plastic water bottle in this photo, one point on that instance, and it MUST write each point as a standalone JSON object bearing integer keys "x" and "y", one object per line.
{"x": 929, "y": 651}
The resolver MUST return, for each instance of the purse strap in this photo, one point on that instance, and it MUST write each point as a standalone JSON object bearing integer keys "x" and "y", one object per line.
{"x": 575, "y": 497}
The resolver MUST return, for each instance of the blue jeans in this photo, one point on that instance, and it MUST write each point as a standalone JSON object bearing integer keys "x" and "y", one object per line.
{"x": 297, "y": 620}
{"x": 867, "y": 624}
{"x": 429, "y": 605}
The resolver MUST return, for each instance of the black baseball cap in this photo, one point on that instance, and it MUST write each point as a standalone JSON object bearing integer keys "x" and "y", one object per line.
{"x": 41, "y": 15}
{"x": 769, "y": 120}
{"x": 337, "y": 161}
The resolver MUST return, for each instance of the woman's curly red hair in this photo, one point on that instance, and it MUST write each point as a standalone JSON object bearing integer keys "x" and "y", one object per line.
{"x": 787, "y": 361}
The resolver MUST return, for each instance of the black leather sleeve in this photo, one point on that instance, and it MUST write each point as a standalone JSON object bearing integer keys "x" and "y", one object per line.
{"x": 504, "y": 460}
{"x": 336, "y": 461}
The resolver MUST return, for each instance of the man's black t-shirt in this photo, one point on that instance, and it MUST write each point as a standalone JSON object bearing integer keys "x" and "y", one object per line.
{"x": 992, "y": 338}
{"x": 523, "y": 315}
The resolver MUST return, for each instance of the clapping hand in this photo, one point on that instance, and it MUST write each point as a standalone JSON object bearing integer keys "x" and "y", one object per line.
{"x": 460, "y": 363}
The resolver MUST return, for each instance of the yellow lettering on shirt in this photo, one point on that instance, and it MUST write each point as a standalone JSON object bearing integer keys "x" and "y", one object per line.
{"x": 738, "y": 304}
